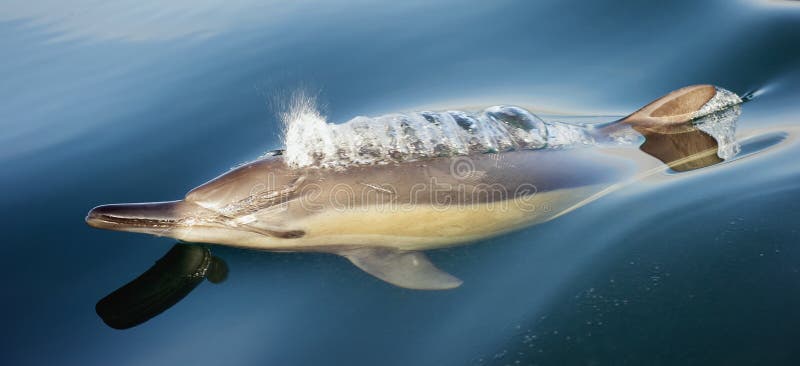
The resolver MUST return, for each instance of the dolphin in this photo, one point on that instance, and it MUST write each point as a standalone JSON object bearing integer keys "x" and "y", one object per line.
{"x": 379, "y": 191}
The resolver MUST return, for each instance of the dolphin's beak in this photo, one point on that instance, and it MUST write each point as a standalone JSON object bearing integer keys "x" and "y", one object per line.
{"x": 177, "y": 219}
{"x": 152, "y": 218}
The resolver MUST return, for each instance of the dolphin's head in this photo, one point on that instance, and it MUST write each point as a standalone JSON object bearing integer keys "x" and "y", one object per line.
{"x": 248, "y": 206}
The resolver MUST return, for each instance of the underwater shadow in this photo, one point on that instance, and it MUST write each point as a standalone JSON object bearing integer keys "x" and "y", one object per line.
{"x": 163, "y": 285}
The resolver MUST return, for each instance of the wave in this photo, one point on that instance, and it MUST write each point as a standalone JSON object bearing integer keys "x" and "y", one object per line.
{"x": 311, "y": 141}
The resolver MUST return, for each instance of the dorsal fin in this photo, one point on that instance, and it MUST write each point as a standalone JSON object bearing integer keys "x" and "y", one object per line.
{"x": 677, "y": 107}
{"x": 681, "y": 107}
{"x": 673, "y": 125}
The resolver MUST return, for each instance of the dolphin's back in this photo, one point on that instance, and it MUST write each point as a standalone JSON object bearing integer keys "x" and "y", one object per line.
{"x": 415, "y": 136}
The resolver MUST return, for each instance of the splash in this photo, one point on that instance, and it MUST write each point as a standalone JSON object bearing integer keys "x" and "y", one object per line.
{"x": 304, "y": 123}
{"x": 721, "y": 126}
{"x": 311, "y": 141}
{"x": 718, "y": 119}
{"x": 722, "y": 100}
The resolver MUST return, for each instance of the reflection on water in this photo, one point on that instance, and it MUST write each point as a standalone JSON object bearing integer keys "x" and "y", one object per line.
{"x": 130, "y": 102}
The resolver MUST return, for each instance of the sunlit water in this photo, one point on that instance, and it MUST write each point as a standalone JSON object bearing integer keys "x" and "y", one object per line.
{"x": 131, "y": 102}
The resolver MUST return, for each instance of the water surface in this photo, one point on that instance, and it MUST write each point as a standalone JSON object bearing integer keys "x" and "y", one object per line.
{"x": 142, "y": 102}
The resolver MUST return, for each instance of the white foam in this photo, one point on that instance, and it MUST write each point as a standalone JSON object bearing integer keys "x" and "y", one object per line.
{"x": 721, "y": 100}
{"x": 311, "y": 141}
{"x": 721, "y": 125}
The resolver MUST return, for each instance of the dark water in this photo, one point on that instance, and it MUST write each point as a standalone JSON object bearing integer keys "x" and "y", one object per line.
{"x": 142, "y": 102}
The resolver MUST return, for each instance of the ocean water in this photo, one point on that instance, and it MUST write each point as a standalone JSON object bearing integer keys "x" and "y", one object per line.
{"x": 142, "y": 101}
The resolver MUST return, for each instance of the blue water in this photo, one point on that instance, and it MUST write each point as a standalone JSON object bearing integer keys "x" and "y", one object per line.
{"x": 138, "y": 101}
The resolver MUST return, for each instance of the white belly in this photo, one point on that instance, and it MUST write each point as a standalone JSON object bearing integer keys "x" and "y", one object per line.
{"x": 427, "y": 226}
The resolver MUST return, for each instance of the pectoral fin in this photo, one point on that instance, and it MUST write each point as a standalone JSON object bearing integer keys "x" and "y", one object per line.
{"x": 405, "y": 269}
